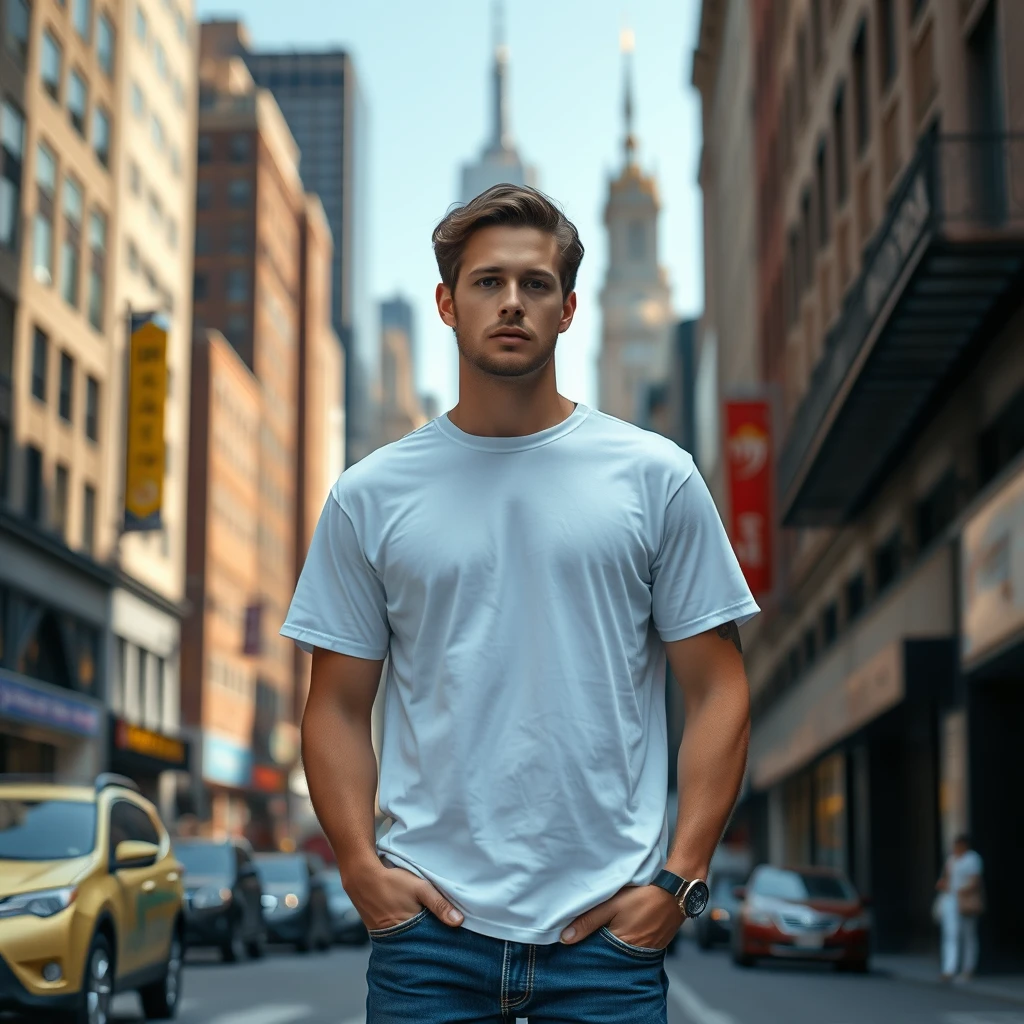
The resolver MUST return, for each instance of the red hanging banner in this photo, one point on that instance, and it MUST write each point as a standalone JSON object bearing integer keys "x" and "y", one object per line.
{"x": 748, "y": 459}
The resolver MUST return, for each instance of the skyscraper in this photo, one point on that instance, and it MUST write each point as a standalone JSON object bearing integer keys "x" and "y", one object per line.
{"x": 320, "y": 97}
{"x": 500, "y": 161}
{"x": 635, "y": 300}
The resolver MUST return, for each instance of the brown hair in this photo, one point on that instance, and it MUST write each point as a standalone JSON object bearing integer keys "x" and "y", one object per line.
{"x": 514, "y": 205}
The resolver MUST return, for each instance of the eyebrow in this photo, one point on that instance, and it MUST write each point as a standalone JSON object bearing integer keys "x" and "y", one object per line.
{"x": 532, "y": 272}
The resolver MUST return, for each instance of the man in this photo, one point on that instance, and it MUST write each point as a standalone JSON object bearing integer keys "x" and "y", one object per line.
{"x": 525, "y": 562}
{"x": 961, "y": 906}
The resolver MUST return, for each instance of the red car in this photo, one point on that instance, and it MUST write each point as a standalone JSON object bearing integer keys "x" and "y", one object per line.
{"x": 801, "y": 913}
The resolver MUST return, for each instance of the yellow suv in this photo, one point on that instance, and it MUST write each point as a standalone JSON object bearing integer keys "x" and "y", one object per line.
{"x": 90, "y": 901}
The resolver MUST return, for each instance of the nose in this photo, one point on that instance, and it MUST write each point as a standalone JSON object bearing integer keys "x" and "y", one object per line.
{"x": 511, "y": 302}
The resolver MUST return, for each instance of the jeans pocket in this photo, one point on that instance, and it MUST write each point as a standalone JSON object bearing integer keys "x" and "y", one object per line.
{"x": 637, "y": 952}
{"x": 398, "y": 929}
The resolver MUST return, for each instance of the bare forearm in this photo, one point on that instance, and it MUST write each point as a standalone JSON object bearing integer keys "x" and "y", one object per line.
{"x": 341, "y": 770}
{"x": 712, "y": 760}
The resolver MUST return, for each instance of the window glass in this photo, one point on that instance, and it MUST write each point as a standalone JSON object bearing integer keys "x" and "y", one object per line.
{"x": 105, "y": 44}
{"x": 41, "y": 830}
{"x": 141, "y": 24}
{"x": 101, "y": 135}
{"x": 17, "y": 29}
{"x": 130, "y": 822}
{"x": 49, "y": 65}
{"x": 78, "y": 99}
{"x": 40, "y": 359}
{"x": 138, "y": 101}
{"x": 12, "y": 143}
{"x": 81, "y": 16}
{"x": 160, "y": 56}
{"x": 209, "y": 859}
{"x": 67, "y": 379}
{"x": 92, "y": 408}
{"x": 89, "y": 519}
{"x": 239, "y": 192}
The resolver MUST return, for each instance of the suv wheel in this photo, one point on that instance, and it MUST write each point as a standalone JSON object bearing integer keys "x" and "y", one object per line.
{"x": 97, "y": 985}
{"x": 160, "y": 1000}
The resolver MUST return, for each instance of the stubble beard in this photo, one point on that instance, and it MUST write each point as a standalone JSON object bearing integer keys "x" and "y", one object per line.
{"x": 497, "y": 366}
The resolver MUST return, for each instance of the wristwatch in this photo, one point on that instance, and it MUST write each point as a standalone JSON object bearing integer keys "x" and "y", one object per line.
{"x": 691, "y": 895}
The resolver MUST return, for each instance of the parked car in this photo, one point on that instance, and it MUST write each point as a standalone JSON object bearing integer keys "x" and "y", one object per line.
{"x": 802, "y": 913}
{"x": 295, "y": 900}
{"x": 346, "y": 925}
{"x": 715, "y": 924}
{"x": 92, "y": 901}
{"x": 223, "y": 897}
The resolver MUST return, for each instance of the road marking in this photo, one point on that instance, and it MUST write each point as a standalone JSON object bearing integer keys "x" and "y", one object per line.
{"x": 265, "y": 1015}
{"x": 693, "y": 1006}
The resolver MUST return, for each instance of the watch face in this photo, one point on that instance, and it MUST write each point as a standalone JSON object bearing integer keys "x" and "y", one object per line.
{"x": 696, "y": 899}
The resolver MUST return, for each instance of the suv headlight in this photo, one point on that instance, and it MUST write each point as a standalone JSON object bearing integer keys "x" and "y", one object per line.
{"x": 42, "y": 903}
{"x": 207, "y": 899}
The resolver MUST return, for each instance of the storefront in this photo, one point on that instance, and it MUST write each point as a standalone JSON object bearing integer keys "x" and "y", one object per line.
{"x": 153, "y": 760}
{"x": 992, "y": 659}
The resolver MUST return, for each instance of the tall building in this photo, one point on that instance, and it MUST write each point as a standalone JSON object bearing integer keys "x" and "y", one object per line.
{"x": 401, "y": 408}
{"x": 636, "y": 308}
{"x": 886, "y": 671}
{"x": 91, "y": 93}
{"x": 499, "y": 161}
{"x": 267, "y": 443}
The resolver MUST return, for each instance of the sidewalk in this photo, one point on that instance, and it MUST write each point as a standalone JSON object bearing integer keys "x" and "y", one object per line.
{"x": 924, "y": 970}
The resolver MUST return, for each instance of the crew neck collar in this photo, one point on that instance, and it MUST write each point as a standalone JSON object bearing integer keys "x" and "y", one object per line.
{"x": 512, "y": 444}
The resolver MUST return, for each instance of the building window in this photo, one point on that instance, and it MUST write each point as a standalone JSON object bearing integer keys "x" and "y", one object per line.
{"x": 141, "y": 24}
{"x": 42, "y": 228}
{"x": 89, "y": 519}
{"x": 78, "y": 101}
{"x": 241, "y": 149}
{"x": 821, "y": 188}
{"x": 887, "y": 52}
{"x": 204, "y": 150}
{"x": 40, "y": 361}
{"x": 12, "y": 151}
{"x": 81, "y": 17}
{"x": 72, "y": 244}
{"x": 105, "y": 44}
{"x": 101, "y": 135}
{"x": 238, "y": 328}
{"x": 33, "y": 483}
{"x": 204, "y": 195}
{"x": 60, "y": 501}
{"x": 238, "y": 239}
{"x": 50, "y": 66}
{"x": 238, "y": 286}
{"x": 887, "y": 562}
{"x": 199, "y": 288}
{"x": 67, "y": 383}
{"x": 839, "y": 146}
{"x": 860, "y": 90}
{"x": 239, "y": 192}
{"x": 16, "y": 30}
{"x": 855, "y": 596}
{"x": 829, "y": 624}
{"x": 138, "y": 101}
{"x": 92, "y": 408}
{"x": 97, "y": 268}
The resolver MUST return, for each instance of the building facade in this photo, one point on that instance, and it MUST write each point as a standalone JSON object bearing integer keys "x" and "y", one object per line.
{"x": 636, "y": 310}
{"x": 885, "y": 672}
{"x": 401, "y": 408}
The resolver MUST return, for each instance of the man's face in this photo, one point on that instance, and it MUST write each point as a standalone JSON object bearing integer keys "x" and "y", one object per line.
{"x": 960, "y": 848}
{"x": 508, "y": 309}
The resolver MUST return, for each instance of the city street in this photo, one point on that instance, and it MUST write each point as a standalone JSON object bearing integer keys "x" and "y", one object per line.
{"x": 705, "y": 989}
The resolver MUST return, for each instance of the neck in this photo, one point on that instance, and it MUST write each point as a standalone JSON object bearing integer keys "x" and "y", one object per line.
{"x": 508, "y": 407}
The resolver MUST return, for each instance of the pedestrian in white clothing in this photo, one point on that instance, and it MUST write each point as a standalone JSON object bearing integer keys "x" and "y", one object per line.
{"x": 962, "y": 904}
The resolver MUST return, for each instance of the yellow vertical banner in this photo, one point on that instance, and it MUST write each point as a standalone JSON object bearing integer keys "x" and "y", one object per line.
{"x": 144, "y": 448}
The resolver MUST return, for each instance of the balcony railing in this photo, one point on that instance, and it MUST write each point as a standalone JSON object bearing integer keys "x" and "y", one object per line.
{"x": 960, "y": 195}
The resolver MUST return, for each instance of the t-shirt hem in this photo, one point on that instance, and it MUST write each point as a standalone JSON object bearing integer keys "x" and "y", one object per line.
{"x": 307, "y": 639}
{"x": 508, "y": 933}
{"x": 739, "y": 612}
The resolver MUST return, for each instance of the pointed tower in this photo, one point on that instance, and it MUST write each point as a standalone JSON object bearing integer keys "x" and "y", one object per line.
{"x": 499, "y": 162}
{"x": 635, "y": 300}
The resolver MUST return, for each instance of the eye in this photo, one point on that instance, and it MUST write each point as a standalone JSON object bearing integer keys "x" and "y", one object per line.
{"x": 537, "y": 285}
{"x": 487, "y": 282}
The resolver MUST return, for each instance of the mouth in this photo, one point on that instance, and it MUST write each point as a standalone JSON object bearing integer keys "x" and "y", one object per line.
{"x": 512, "y": 334}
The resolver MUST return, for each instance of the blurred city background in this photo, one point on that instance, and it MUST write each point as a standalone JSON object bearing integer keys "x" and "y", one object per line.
{"x": 804, "y": 223}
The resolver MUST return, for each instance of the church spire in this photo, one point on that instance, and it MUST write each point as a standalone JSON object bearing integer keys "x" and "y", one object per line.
{"x": 501, "y": 136}
{"x": 627, "y": 43}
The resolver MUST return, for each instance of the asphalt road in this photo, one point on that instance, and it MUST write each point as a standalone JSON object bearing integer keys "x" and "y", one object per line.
{"x": 330, "y": 988}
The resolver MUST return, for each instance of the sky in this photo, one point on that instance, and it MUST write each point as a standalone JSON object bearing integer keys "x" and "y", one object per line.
{"x": 425, "y": 70}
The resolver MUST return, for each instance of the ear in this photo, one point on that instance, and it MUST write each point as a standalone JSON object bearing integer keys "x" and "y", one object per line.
{"x": 568, "y": 312}
{"x": 445, "y": 304}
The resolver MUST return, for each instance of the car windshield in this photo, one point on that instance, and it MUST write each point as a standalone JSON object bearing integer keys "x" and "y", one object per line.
{"x": 205, "y": 858}
{"x": 281, "y": 870}
{"x": 795, "y": 885}
{"x": 46, "y": 829}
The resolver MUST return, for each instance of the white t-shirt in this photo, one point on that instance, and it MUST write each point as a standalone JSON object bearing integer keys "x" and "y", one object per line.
{"x": 964, "y": 869}
{"x": 523, "y": 587}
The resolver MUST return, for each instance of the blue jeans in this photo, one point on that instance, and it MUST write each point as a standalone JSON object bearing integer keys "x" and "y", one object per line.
{"x": 423, "y": 972}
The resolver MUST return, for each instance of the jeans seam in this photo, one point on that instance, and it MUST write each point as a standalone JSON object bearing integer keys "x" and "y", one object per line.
{"x": 504, "y": 982}
{"x": 398, "y": 929}
{"x": 529, "y": 981}
{"x": 636, "y": 952}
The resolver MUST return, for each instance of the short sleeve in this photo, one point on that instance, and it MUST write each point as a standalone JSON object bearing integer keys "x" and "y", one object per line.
{"x": 339, "y": 602}
{"x": 696, "y": 580}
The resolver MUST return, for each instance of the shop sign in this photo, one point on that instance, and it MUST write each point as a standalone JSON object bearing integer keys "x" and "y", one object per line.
{"x": 148, "y": 743}
{"x": 992, "y": 563}
{"x": 226, "y": 762}
{"x": 748, "y": 460}
{"x": 28, "y": 703}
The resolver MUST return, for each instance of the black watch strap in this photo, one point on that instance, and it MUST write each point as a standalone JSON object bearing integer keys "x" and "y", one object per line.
{"x": 671, "y": 882}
